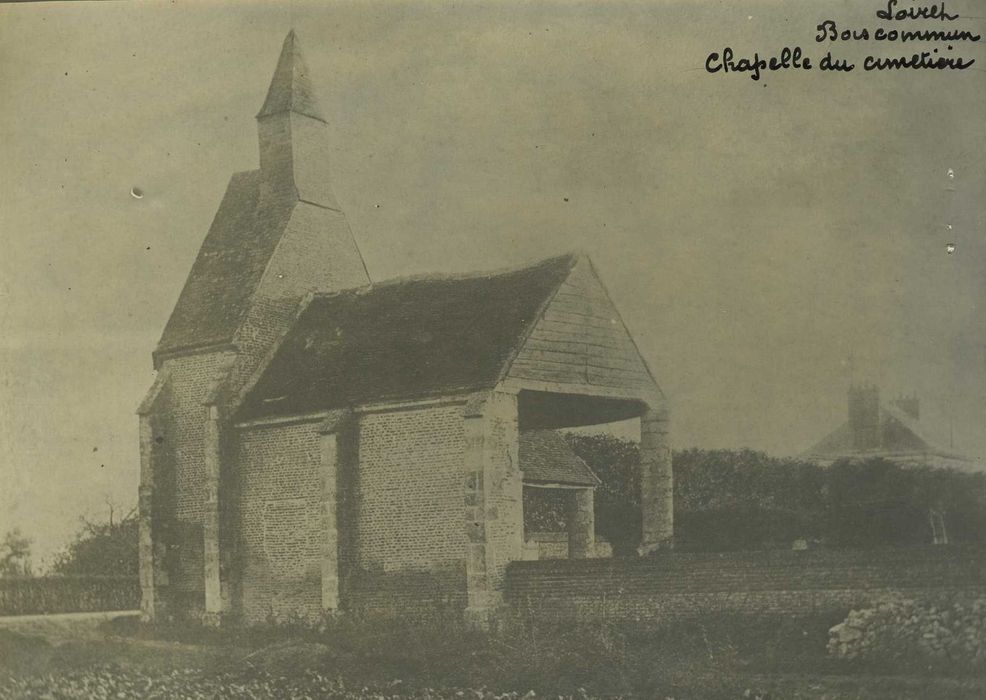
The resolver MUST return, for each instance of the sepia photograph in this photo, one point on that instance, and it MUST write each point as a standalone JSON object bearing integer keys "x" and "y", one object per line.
{"x": 493, "y": 350}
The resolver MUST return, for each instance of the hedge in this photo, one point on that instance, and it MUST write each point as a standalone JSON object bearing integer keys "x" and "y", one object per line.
{"x": 64, "y": 594}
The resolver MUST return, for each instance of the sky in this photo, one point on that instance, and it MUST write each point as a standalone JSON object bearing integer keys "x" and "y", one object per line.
{"x": 755, "y": 235}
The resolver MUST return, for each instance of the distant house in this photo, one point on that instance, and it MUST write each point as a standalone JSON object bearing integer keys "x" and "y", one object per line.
{"x": 316, "y": 441}
{"x": 891, "y": 430}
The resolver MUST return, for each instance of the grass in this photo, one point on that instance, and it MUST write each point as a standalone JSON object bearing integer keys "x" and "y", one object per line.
{"x": 717, "y": 658}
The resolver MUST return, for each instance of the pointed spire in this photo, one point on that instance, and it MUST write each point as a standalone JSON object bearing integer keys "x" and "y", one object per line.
{"x": 291, "y": 87}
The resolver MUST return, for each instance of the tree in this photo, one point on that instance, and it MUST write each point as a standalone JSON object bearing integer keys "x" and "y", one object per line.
{"x": 15, "y": 555}
{"x": 102, "y": 548}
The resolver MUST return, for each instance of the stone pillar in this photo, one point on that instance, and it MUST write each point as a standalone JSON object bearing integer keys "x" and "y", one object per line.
{"x": 148, "y": 601}
{"x": 493, "y": 497}
{"x": 477, "y": 579}
{"x": 212, "y": 450}
{"x": 329, "y": 447}
{"x": 581, "y": 522}
{"x": 656, "y": 481}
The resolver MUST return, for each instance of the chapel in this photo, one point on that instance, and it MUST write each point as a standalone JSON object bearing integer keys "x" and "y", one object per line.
{"x": 317, "y": 442}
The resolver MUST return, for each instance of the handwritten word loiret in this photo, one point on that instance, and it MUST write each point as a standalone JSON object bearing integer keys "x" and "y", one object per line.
{"x": 936, "y": 11}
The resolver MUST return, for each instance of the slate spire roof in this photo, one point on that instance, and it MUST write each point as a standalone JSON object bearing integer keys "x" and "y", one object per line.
{"x": 291, "y": 87}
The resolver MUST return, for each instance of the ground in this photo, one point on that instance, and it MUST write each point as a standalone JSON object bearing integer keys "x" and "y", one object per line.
{"x": 714, "y": 658}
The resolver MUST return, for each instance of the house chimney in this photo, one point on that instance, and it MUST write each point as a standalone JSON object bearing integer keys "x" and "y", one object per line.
{"x": 909, "y": 405}
{"x": 864, "y": 417}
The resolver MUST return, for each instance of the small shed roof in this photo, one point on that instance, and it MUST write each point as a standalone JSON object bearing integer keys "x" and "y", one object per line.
{"x": 547, "y": 458}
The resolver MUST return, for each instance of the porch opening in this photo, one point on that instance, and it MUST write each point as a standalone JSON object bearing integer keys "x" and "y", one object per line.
{"x": 559, "y": 487}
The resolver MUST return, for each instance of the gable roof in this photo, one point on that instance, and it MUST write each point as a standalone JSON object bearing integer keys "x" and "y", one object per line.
{"x": 228, "y": 268}
{"x": 547, "y": 458}
{"x": 580, "y": 340}
{"x": 407, "y": 338}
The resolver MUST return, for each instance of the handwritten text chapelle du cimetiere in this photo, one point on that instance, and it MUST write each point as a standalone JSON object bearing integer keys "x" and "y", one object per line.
{"x": 898, "y": 18}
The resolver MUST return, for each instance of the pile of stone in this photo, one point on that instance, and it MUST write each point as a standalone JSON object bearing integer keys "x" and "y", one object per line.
{"x": 898, "y": 629}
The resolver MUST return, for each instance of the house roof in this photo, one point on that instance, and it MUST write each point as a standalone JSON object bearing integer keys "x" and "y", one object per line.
{"x": 229, "y": 266}
{"x": 406, "y": 338}
{"x": 547, "y": 458}
{"x": 900, "y": 434}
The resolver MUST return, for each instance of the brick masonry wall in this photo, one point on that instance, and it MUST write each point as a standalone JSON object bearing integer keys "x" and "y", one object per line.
{"x": 182, "y": 422}
{"x": 409, "y": 539}
{"x": 670, "y": 586}
{"x": 409, "y": 503}
{"x": 438, "y": 592}
{"x": 280, "y": 522}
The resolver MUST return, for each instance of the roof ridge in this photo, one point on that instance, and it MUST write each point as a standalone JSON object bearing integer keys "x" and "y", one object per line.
{"x": 571, "y": 256}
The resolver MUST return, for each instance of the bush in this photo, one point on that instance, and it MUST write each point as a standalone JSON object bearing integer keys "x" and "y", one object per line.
{"x": 906, "y": 630}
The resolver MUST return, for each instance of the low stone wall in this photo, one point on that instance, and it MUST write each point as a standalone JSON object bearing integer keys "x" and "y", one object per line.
{"x": 672, "y": 586}
{"x": 550, "y": 545}
{"x": 554, "y": 545}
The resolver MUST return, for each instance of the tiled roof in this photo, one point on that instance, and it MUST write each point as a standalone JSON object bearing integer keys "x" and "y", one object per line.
{"x": 228, "y": 268}
{"x": 547, "y": 458}
{"x": 404, "y": 339}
